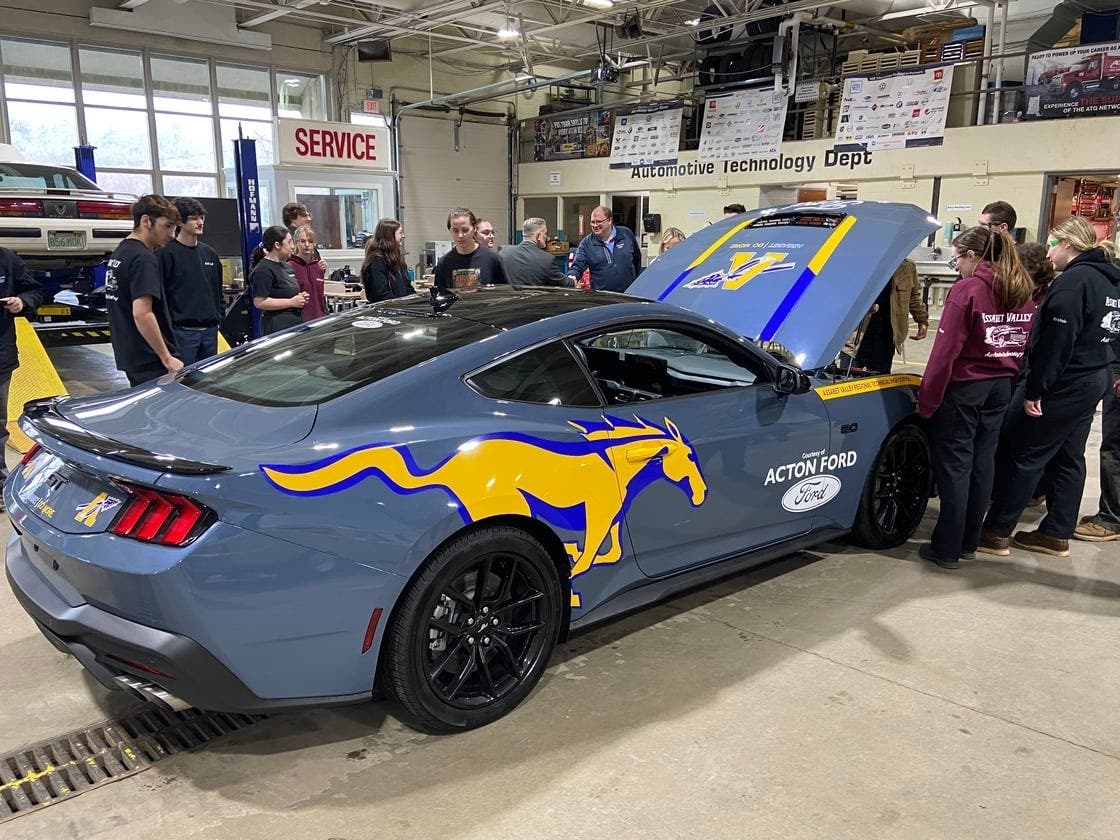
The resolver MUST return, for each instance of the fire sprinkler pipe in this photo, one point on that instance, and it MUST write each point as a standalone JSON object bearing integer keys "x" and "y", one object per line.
{"x": 792, "y": 22}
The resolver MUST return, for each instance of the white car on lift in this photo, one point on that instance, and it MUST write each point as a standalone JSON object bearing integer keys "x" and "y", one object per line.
{"x": 54, "y": 217}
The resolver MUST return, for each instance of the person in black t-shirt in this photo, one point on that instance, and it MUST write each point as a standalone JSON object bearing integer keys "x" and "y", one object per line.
{"x": 192, "y": 278}
{"x": 275, "y": 287}
{"x": 139, "y": 323}
{"x": 467, "y": 264}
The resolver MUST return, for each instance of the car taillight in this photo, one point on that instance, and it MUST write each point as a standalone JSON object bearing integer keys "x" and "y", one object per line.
{"x": 29, "y": 454}
{"x": 20, "y": 207}
{"x": 163, "y": 518}
{"x": 104, "y": 210}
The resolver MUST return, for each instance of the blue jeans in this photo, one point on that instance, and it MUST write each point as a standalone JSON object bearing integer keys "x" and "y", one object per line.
{"x": 196, "y": 345}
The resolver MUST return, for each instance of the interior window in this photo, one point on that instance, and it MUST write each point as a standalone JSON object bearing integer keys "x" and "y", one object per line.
{"x": 548, "y": 375}
{"x": 653, "y": 362}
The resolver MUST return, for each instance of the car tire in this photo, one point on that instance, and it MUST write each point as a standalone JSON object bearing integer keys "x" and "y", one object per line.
{"x": 1074, "y": 91}
{"x": 462, "y": 655}
{"x": 897, "y": 490}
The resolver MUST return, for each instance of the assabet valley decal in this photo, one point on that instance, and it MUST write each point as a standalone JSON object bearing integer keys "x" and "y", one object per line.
{"x": 814, "y": 485}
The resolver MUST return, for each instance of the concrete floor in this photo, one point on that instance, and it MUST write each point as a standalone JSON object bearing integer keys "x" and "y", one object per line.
{"x": 837, "y": 693}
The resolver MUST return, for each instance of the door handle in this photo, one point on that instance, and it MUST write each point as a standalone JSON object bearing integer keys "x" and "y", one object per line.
{"x": 638, "y": 454}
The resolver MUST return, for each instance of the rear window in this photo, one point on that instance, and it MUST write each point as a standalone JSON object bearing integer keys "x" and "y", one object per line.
{"x": 33, "y": 176}
{"x": 319, "y": 362}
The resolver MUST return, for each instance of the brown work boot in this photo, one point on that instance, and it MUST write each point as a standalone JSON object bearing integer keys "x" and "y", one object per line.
{"x": 992, "y": 544}
{"x": 1092, "y": 530}
{"x": 1042, "y": 543}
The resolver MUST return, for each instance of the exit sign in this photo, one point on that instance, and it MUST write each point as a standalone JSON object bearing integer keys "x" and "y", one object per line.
{"x": 371, "y": 106}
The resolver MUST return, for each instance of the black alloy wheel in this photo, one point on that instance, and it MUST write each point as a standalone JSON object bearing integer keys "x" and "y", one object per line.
{"x": 897, "y": 490}
{"x": 474, "y": 633}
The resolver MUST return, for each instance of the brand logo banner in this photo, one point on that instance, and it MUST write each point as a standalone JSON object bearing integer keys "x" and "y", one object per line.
{"x": 895, "y": 111}
{"x": 646, "y": 135}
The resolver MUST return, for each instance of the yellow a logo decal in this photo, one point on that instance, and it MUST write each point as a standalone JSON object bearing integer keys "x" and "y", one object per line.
{"x": 746, "y": 266}
{"x": 87, "y": 514}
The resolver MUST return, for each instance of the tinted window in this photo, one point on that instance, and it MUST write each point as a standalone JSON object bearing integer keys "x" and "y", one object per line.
{"x": 319, "y": 362}
{"x": 648, "y": 363}
{"x": 548, "y": 375}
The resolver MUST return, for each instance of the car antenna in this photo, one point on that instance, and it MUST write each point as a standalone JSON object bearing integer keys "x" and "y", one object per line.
{"x": 442, "y": 299}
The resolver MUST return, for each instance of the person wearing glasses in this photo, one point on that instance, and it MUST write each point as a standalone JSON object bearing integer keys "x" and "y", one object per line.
{"x": 610, "y": 253}
{"x": 981, "y": 338}
{"x": 1067, "y": 370}
{"x": 999, "y": 217}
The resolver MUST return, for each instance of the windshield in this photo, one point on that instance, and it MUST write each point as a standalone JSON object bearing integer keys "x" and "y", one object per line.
{"x": 34, "y": 176}
{"x": 331, "y": 357}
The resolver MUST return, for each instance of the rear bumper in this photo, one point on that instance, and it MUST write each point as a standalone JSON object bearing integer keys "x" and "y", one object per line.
{"x": 99, "y": 639}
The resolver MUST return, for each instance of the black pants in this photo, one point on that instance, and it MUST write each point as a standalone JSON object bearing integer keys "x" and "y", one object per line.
{"x": 139, "y": 377}
{"x": 964, "y": 432}
{"x": 1056, "y": 438}
{"x": 1109, "y": 512}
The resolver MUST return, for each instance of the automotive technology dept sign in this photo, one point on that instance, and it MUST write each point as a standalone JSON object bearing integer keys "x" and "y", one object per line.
{"x": 333, "y": 144}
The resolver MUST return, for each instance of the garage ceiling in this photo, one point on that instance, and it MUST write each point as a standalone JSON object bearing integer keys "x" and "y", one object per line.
{"x": 574, "y": 33}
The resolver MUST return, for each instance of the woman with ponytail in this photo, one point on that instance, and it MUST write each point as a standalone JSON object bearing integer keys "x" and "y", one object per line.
{"x": 981, "y": 339}
{"x": 1066, "y": 373}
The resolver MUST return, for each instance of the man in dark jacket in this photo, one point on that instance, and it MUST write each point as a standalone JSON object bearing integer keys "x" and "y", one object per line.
{"x": 611, "y": 254}
{"x": 528, "y": 263}
{"x": 19, "y": 293}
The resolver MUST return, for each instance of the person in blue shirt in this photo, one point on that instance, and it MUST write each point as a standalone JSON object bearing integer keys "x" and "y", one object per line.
{"x": 610, "y": 253}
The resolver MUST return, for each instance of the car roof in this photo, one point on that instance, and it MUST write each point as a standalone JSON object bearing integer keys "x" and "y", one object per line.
{"x": 509, "y": 307}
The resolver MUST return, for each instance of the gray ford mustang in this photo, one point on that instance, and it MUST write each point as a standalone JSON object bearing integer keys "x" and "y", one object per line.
{"x": 423, "y": 497}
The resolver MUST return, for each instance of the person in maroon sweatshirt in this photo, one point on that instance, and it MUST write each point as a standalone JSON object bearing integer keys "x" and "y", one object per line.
{"x": 309, "y": 270}
{"x": 980, "y": 342}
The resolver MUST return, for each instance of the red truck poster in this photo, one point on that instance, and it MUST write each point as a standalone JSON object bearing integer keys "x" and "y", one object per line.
{"x": 1074, "y": 82}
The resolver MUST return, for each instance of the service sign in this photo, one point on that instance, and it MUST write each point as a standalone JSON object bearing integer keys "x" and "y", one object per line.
{"x": 333, "y": 144}
{"x": 1075, "y": 82}
{"x": 894, "y": 111}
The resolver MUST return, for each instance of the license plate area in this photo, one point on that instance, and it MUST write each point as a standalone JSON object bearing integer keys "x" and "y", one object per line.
{"x": 66, "y": 240}
{"x": 70, "y": 500}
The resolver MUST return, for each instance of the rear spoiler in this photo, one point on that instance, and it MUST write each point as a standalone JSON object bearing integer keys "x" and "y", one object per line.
{"x": 43, "y": 415}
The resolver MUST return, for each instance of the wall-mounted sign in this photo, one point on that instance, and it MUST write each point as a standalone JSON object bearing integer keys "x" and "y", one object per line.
{"x": 743, "y": 124}
{"x": 707, "y": 172}
{"x": 371, "y": 106}
{"x": 570, "y": 137}
{"x": 1075, "y": 82}
{"x": 332, "y": 144}
{"x": 646, "y": 134}
{"x": 554, "y": 177}
{"x": 895, "y": 111}
{"x": 807, "y": 92}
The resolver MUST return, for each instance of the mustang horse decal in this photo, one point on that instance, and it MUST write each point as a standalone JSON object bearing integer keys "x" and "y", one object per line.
{"x": 583, "y": 485}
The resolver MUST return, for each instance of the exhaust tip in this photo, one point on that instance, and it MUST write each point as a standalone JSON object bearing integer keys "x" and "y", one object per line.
{"x": 151, "y": 693}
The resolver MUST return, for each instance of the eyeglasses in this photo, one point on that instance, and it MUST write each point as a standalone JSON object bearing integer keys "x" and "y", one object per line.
{"x": 952, "y": 263}
{"x": 1053, "y": 242}
{"x": 595, "y": 222}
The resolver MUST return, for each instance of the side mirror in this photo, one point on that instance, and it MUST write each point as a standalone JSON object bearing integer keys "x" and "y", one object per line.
{"x": 791, "y": 381}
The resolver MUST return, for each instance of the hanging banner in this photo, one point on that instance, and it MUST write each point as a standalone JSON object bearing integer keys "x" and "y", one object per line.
{"x": 568, "y": 138}
{"x": 646, "y": 135}
{"x": 900, "y": 110}
{"x": 742, "y": 124}
{"x": 1074, "y": 82}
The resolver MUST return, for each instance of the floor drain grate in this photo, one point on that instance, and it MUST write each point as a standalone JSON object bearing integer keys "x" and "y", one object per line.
{"x": 40, "y": 775}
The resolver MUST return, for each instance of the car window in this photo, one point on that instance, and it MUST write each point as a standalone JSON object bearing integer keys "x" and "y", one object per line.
{"x": 28, "y": 176}
{"x": 655, "y": 362}
{"x": 548, "y": 375}
{"x": 329, "y": 358}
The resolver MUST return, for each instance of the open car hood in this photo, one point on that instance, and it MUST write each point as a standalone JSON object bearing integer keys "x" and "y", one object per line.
{"x": 802, "y": 276}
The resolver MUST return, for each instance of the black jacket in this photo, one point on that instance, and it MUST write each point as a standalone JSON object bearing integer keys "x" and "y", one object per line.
{"x": 15, "y": 281}
{"x": 381, "y": 283}
{"x": 1077, "y": 326}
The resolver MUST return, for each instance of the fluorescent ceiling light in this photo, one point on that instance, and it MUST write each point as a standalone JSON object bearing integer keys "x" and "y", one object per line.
{"x": 599, "y": 4}
{"x": 693, "y": 22}
{"x": 508, "y": 31}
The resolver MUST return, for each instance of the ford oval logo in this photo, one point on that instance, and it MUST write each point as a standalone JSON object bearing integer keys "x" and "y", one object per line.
{"x": 811, "y": 493}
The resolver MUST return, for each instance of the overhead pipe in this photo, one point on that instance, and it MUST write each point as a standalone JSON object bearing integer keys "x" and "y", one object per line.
{"x": 982, "y": 101}
{"x": 996, "y": 107}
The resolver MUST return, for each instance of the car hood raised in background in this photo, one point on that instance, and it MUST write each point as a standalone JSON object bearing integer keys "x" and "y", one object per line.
{"x": 181, "y": 422}
{"x": 802, "y": 276}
